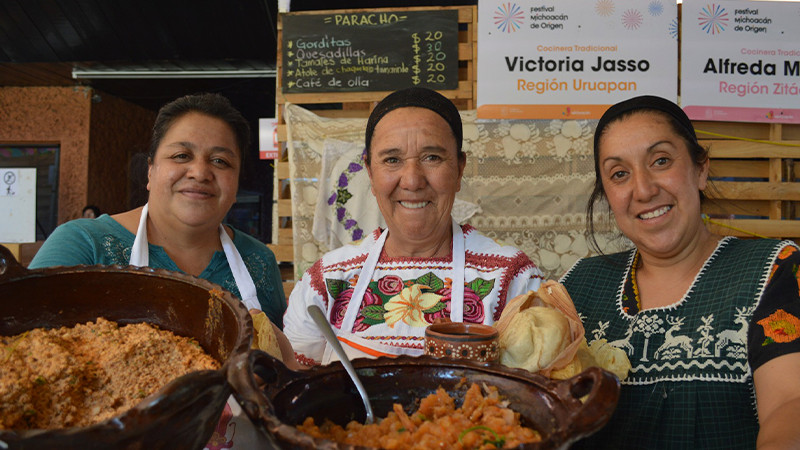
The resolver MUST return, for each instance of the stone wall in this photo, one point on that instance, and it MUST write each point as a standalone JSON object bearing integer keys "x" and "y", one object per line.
{"x": 97, "y": 134}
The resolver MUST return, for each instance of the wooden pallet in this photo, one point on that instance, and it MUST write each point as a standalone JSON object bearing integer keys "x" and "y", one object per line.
{"x": 757, "y": 186}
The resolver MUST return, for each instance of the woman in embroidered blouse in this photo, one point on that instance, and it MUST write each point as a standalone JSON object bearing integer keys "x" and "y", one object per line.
{"x": 381, "y": 293}
{"x": 707, "y": 321}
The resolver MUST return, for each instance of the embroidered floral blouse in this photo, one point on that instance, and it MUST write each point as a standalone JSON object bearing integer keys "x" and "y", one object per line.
{"x": 404, "y": 295}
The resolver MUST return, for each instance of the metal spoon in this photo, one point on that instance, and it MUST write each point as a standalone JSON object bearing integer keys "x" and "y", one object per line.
{"x": 319, "y": 317}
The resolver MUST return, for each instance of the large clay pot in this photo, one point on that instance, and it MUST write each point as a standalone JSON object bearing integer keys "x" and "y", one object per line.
{"x": 182, "y": 414}
{"x": 562, "y": 411}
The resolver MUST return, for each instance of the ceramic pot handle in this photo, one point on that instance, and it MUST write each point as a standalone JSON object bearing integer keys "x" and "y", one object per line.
{"x": 595, "y": 393}
{"x": 9, "y": 267}
{"x": 189, "y": 408}
{"x": 255, "y": 404}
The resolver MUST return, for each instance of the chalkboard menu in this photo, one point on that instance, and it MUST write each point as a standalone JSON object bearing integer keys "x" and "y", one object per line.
{"x": 370, "y": 51}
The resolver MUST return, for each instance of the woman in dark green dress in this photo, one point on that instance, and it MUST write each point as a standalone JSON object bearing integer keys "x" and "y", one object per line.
{"x": 710, "y": 323}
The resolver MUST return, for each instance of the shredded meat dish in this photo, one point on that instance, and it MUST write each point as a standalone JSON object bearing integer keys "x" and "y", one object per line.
{"x": 78, "y": 376}
{"x": 482, "y": 422}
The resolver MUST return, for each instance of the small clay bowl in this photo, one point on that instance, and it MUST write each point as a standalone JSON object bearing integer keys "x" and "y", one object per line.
{"x": 457, "y": 340}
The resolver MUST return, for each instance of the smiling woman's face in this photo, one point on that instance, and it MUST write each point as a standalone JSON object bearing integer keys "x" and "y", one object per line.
{"x": 194, "y": 175}
{"x": 415, "y": 173}
{"x": 652, "y": 183}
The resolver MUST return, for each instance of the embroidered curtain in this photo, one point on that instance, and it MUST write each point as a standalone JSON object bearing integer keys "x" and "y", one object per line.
{"x": 526, "y": 184}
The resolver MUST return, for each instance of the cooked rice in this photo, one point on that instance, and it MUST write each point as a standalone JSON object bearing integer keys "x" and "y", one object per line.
{"x": 81, "y": 375}
{"x": 482, "y": 422}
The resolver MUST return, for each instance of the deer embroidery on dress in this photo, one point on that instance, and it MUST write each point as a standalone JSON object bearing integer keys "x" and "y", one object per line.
{"x": 735, "y": 338}
{"x": 624, "y": 343}
{"x": 673, "y": 344}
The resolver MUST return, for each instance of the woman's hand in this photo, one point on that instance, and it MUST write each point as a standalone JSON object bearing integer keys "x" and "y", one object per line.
{"x": 287, "y": 352}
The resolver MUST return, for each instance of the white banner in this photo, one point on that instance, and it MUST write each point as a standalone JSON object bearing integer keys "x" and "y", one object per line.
{"x": 740, "y": 61}
{"x": 17, "y": 205}
{"x": 572, "y": 59}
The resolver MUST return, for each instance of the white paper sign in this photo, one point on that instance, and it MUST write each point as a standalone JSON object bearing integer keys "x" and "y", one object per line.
{"x": 740, "y": 61}
{"x": 17, "y": 205}
{"x": 572, "y": 59}
{"x": 268, "y": 138}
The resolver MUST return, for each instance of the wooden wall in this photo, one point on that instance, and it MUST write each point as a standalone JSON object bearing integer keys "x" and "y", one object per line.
{"x": 757, "y": 187}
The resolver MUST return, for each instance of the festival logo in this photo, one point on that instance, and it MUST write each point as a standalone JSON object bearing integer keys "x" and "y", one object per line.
{"x": 713, "y": 19}
{"x": 508, "y": 17}
{"x": 604, "y": 7}
{"x": 673, "y": 29}
{"x": 632, "y": 19}
{"x": 655, "y": 8}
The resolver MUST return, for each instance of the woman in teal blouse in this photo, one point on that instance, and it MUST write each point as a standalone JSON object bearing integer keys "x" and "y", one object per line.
{"x": 194, "y": 163}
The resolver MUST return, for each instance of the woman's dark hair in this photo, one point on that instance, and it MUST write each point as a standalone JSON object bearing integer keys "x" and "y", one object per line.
{"x": 677, "y": 120}
{"x": 137, "y": 180}
{"x": 213, "y": 105}
{"x": 94, "y": 209}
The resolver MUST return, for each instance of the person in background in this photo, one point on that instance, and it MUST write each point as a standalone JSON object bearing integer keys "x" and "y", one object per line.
{"x": 90, "y": 212}
{"x": 381, "y": 293}
{"x": 711, "y": 324}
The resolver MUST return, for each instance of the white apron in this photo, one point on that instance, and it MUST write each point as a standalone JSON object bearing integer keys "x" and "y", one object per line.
{"x": 364, "y": 278}
{"x": 140, "y": 256}
{"x": 234, "y": 429}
